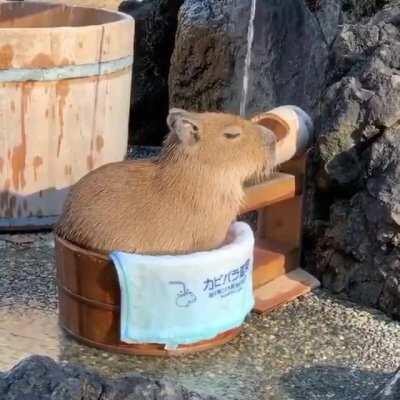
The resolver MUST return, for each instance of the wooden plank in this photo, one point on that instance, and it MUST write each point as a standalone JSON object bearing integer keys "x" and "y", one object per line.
{"x": 269, "y": 264}
{"x": 295, "y": 166}
{"x": 283, "y": 290}
{"x": 282, "y": 222}
{"x": 281, "y": 187}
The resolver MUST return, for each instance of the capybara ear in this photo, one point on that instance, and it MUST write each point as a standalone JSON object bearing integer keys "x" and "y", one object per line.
{"x": 185, "y": 125}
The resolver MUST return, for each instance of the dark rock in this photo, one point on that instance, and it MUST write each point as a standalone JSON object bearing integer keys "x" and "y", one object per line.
{"x": 329, "y": 16}
{"x": 357, "y": 10}
{"x": 390, "y": 391}
{"x": 140, "y": 152}
{"x": 289, "y": 55}
{"x": 155, "y": 27}
{"x": 313, "y": 5}
{"x": 41, "y": 378}
{"x": 352, "y": 236}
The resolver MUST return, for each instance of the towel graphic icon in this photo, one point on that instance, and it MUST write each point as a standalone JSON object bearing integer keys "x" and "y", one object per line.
{"x": 185, "y": 297}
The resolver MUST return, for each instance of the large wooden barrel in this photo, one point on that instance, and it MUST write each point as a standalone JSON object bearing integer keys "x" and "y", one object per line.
{"x": 65, "y": 79}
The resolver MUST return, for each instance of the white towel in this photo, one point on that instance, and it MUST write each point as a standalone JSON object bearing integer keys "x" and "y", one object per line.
{"x": 185, "y": 299}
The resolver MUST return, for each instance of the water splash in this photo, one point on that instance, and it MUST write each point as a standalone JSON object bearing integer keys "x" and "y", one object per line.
{"x": 247, "y": 63}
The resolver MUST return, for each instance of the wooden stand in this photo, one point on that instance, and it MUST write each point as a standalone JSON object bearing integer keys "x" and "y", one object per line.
{"x": 277, "y": 278}
{"x": 89, "y": 304}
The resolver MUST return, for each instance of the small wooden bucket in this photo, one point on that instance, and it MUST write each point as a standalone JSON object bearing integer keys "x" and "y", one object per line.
{"x": 89, "y": 304}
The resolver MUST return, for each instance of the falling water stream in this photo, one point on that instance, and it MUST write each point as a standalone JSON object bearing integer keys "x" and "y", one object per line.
{"x": 247, "y": 63}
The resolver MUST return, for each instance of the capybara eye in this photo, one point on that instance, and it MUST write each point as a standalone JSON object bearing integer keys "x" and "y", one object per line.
{"x": 195, "y": 128}
{"x": 231, "y": 135}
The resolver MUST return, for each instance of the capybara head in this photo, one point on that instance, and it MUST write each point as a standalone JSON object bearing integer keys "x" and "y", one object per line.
{"x": 220, "y": 142}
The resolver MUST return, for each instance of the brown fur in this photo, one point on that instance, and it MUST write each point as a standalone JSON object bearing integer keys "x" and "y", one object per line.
{"x": 182, "y": 201}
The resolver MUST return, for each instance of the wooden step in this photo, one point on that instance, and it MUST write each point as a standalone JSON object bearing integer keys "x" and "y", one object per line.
{"x": 281, "y": 187}
{"x": 283, "y": 290}
{"x": 272, "y": 262}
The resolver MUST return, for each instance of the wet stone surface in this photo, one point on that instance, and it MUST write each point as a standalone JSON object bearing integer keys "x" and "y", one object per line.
{"x": 319, "y": 347}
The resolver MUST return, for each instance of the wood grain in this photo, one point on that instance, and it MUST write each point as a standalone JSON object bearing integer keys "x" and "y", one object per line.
{"x": 284, "y": 289}
{"x": 54, "y": 132}
{"x": 280, "y": 187}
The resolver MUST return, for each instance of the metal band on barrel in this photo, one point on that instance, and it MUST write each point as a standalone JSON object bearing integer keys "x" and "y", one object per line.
{"x": 67, "y": 72}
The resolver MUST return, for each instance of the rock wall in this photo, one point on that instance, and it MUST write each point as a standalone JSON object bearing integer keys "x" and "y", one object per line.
{"x": 352, "y": 232}
{"x": 357, "y": 10}
{"x": 155, "y": 27}
{"x": 289, "y": 56}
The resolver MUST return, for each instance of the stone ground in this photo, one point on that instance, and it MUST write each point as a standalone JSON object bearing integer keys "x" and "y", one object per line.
{"x": 319, "y": 347}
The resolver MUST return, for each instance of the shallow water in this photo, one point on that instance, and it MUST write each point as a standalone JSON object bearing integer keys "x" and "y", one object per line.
{"x": 247, "y": 63}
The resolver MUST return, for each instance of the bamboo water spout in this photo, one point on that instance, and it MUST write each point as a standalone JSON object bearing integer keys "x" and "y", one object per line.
{"x": 293, "y": 128}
